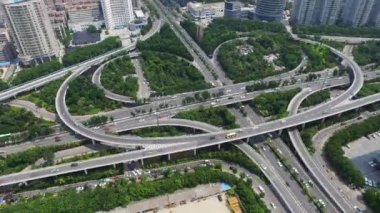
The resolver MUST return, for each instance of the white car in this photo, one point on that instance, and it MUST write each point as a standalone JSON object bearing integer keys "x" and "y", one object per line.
{"x": 263, "y": 166}
{"x": 273, "y": 206}
{"x": 279, "y": 164}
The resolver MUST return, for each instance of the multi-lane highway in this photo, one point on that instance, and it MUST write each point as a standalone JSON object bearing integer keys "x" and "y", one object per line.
{"x": 231, "y": 94}
{"x": 307, "y": 159}
{"x": 28, "y": 86}
{"x": 249, "y": 132}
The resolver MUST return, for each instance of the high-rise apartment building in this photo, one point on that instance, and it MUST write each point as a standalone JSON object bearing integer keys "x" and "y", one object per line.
{"x": 374, "y": 19}
{"x": 270, "y": 10}
{"x": 31, "y": 30}
{"x": 117, "y": 13}
{"x": 303, "y": 12}
{"x": 324, "y": 12}
{"x": 356, "y": 13}
{"x": 330, "y": 10}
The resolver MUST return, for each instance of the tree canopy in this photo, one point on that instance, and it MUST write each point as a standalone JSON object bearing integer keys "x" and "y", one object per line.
{"x": 37, "y": 71}
{"x": 169, "y": 75}
{"x": 83, "y": 97}
{"x": 165, "y": 41}
{"x": 244, "y": 60}
{"x": 91, "y": 51}
{"x": 333, "y": 30}
{"x": 122, "y": 193}
{"x": 274, "y": 103}
{"x": 15, "y": 120}
{"x": 343, "y": 166}
{"x": 217, "y": 116}
{"x": 367, "y": 53}
{"x": 222, "y": 29}
{"x": 116, "y": 77}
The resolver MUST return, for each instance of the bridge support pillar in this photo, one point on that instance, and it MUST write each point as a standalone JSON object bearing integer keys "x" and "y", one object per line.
{"x": 142, "y": 162}
{"x": 219, "y": 145}
{"x": 85, "y": 171}
{"x": 339, "y": 115}
{"x": 195, "y": 152}
{"x": 92, "y": 140}
{"x": 357, "y": 110}
{"x": 280, "y": 132}
{"x": 303, "y": 126}
{"x": 168, "y": 156}
{"x": 323, "y": 120}
{"x": 114, "y": 165}
{"x": 247, "y": 140}
{"x": 25, "y": 183}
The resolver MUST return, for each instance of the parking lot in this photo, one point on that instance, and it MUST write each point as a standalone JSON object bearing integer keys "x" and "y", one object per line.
{"x": 363, "y": 154}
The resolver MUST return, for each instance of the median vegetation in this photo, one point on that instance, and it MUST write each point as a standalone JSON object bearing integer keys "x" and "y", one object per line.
{"x": 45, "y": 97}
{"x": 3, "y": 85}
{"x": 312, "y": 128}
{"x": 259, "y": 57}
{"x": 91, "y": 51}
{"x": 165, "y": 41}
{"x": 20, "y": 121}
{"x": 36, "y": 72}
{"x": 320, "y": 57}
{"x": 316, "y": 98}
{"x": 372, "y": 198}
{"x": 221, "y": 30}
{"x": 333, "y": 30}
{"x": 217, "y": 116}
{"x": 69, "y": 59}
{"x": 84, "y": 98}
{"x": 334, "y": 154}
{"x": 169, "y": 75}
{"x": 116, "y": 77}
{"x": 273, "y": 104}
{"x": 369, "y": 89}
{"x": 367, "y": 53}
{"x": 123, "y": 192}
{"x": 16, "y": 162}
{"x": 159, "y": 131}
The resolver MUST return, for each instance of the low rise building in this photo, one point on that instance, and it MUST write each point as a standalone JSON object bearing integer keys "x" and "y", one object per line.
{"x": 206, "y": 11}
{"x": 82, "y": 14}
{"x": 139, "y": 21}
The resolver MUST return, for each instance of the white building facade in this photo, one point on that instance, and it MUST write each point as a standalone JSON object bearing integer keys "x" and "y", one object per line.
{"x": 117, "y": 13}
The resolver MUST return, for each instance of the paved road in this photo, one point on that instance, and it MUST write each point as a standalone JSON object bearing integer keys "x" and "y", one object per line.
{"x": 144, "y": 90}
{"x": 112, "y": 140}
{"x": 28, "y": 86}
{"x": 350, "y": 40}
{"x": 302, "y": 173}
{"x": 204, "y": 68}
{"x": 314, "y": 168}
{"x": 207, "y": 68}
{"x": 290, "y": 201}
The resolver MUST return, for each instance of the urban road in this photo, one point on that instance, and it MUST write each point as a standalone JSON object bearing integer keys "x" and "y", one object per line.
{"x": 338, "y": 105}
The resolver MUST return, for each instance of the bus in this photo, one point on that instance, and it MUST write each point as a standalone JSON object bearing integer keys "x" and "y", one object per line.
{"x": 231, "y": 135}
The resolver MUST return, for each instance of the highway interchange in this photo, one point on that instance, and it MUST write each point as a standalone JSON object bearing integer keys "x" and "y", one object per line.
{"x": 215, "y": 136}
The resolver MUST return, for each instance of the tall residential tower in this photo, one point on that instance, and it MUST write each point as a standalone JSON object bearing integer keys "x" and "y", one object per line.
{"x": 356, "y": 13}
{"x": 31, "y": 30}
{"x": 270, "y": 10}
{"x": 325, "y": 12}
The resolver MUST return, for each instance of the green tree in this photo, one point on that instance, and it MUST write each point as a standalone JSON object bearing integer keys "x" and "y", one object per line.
{"x": 91, "y": 29}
